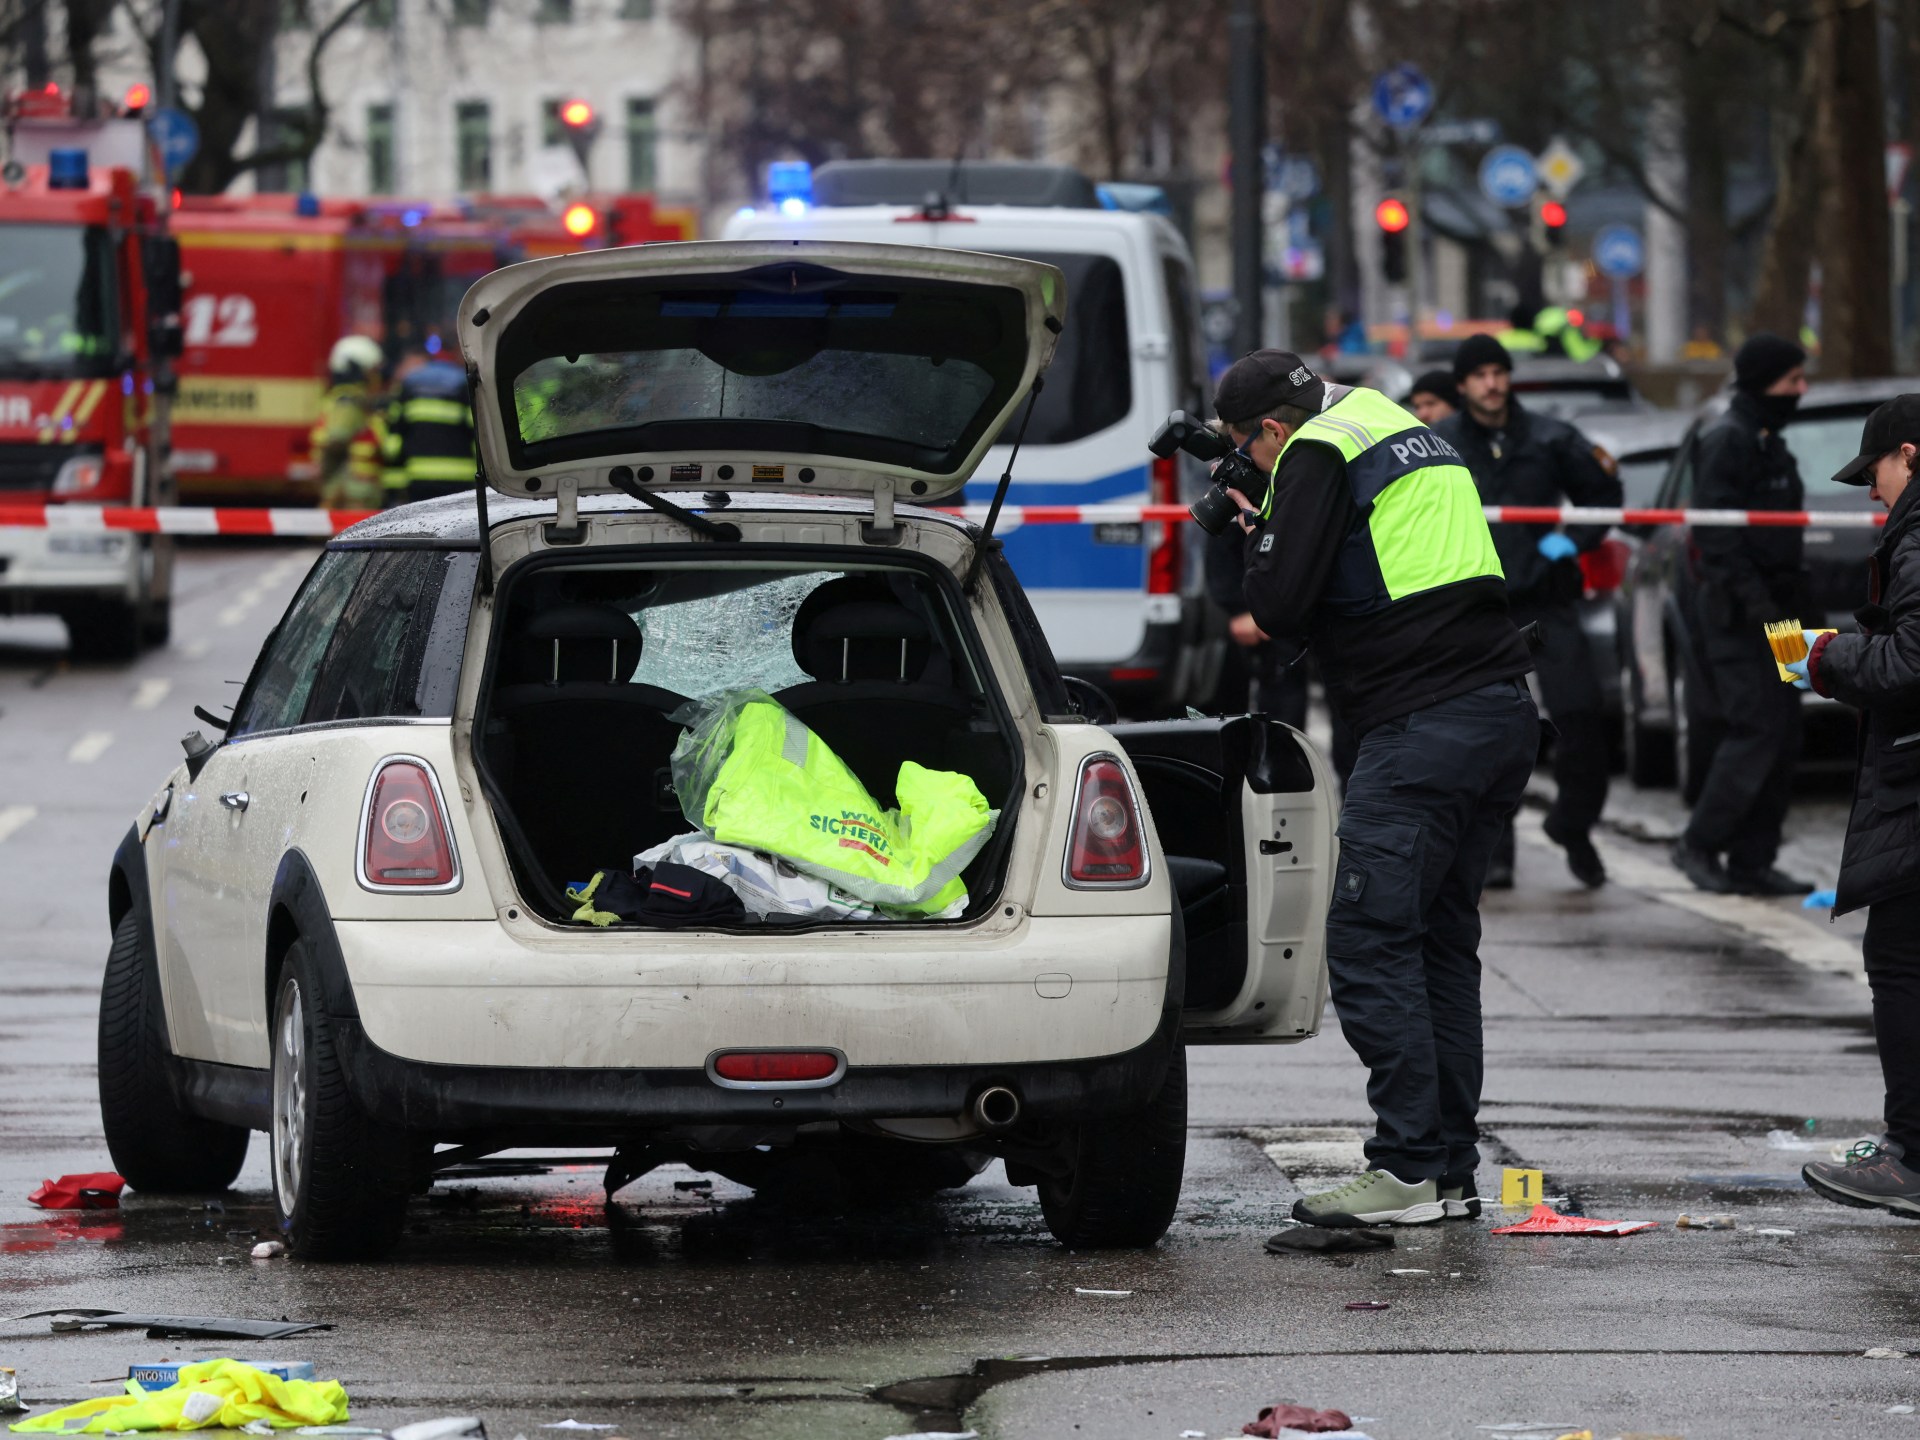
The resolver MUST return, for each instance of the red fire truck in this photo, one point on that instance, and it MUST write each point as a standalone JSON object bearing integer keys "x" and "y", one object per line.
{"x": 272, "y": 281}
{"x": 89, "y": 300}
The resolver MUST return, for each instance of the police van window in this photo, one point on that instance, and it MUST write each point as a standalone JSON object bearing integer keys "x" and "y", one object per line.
{"x": 276, "y": 695}
{"x": 1090, "y": 382}
{"x": 371, "y": 669}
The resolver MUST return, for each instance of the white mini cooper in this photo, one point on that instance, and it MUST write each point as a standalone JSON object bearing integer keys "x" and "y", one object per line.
{"x": 346, "y": 923}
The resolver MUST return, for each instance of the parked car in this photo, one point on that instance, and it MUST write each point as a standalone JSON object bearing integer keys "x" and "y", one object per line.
{"x": 346, "y": 924}
{"x": 1572, "y": 389}
{"x": 1670, "y": 721}
{"x": 1642, "y": 444}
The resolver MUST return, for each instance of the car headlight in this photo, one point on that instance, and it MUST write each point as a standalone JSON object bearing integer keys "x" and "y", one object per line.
{"x": 79, "y": 476}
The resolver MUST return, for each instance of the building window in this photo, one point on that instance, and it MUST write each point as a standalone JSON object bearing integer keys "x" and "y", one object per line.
{"x": 473, "y": 141}
{"x": 643, "y": 143}
{"x": 283, "y": 127}
{"x": 554, "y": 12}
{"x": 378, "y": 15}
{"x": 471, "y": 12}
{"x": 636, "y": 9}
{"x": 552, "y": 132}
{"x": 379, "y": 149}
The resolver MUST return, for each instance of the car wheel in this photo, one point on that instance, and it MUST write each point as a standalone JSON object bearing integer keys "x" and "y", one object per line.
{"x": 156, "y": 1144}
{"x": 340, "y": 1178}
{"x": 1126, "y": 1172}
{"x": 1649, "y": 752}
{"x": 103, "y": 630}
{"x": 1692, "y": 737}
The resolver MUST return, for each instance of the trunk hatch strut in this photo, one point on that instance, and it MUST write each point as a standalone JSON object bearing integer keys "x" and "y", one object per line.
{"x": 985, "y": 542}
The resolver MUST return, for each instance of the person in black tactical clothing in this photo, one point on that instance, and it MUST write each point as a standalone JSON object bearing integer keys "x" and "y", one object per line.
{"x": 1521, "y": 458}
{"x": 1433, "y": 398}
{"x": 1739, "y": 579}
{"x": 1877, "y": 670}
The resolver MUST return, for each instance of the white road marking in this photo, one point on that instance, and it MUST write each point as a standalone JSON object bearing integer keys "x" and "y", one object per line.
{"x": 197, "y": 649}
{"x": 150, "y": 692}
{"x": 1762, "y": 921}
{"x": 90, "y": 747}
{"x": 13, "y": 817}
{"x": 1313, "y": 1149}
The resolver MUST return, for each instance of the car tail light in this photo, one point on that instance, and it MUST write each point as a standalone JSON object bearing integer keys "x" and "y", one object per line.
{"x": 404, "y": 840}
{"x": 1163, "y": 539}
{"x": 1605, "y": 566}
{"x": 1106, "y": 845}
{"x": 766, "y": 1068}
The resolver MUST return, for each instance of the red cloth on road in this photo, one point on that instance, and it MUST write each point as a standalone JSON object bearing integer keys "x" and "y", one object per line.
{"x": 100, "y": 1191}
{"x": 1276, "y": 1418}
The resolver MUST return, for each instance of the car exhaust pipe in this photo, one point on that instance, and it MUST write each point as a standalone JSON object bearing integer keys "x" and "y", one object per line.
{"x": 996, "y": 1108}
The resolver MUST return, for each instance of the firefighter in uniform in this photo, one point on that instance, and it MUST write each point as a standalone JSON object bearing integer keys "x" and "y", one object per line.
{"x": 429, "y": 448}
{"x": 1371, "y": 548}
{"x": 1520, "y": 457}
{"x": 349, "y": 436}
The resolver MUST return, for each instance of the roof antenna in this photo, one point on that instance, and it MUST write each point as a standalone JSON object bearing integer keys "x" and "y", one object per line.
{"x": 985, "y": 542}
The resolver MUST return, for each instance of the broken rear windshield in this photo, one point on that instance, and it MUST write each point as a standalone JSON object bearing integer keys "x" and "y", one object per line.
{"x": 794, "y": 358}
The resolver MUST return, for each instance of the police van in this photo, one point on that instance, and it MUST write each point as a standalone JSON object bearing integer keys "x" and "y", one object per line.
{"x": 1123, "y": 605}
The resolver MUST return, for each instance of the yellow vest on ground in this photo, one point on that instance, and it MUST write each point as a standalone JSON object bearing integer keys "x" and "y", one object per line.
{"x": 213, "y": 1394}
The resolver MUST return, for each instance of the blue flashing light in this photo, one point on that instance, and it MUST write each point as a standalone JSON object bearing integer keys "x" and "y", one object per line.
{"x": 411, "y": 218}
{"x": 126, "y": 383}
{"x": 433, "y": 344}
{"x": 746, "y": 212}
{"x": 793, "y": 207}
{"x": 789, "y": 181}
{"x": 67, "y": 170}
{"x": 306, "y": 204}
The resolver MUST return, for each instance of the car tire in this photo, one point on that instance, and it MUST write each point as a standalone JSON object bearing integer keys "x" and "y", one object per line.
{"x": 156, "y": 1144}
{"x": 1124, "y": 1183}
{"x": 340, "y": 1178}
{"x": 1649, "y": 752}
{"x": 157, "y": 629}
{"x": 103, "y": 630}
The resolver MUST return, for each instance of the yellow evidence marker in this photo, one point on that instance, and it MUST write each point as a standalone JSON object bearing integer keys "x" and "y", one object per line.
{"x": 1521, "y": 1188}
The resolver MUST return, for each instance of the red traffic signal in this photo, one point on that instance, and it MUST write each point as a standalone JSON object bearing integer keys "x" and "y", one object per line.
{"x": 576, "y": 114}
{"x": 1392, "y": 215}
{"x": 139, "y": 95}
{"x": 1553, "y": 214}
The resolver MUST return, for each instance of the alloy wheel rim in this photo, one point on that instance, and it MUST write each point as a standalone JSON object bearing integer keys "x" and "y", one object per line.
{"x": 289, "y": 1097}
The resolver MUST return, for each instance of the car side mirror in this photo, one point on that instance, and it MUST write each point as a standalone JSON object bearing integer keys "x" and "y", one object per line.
{"x": 198, "y": 749}
{"x": 1090, "y": 702}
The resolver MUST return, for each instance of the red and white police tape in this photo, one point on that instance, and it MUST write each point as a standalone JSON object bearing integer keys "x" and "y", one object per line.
{"x": 318, "y": 524}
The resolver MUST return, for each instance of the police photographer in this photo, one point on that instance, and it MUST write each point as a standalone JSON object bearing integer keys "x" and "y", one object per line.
{"x": 1369, "y": 546}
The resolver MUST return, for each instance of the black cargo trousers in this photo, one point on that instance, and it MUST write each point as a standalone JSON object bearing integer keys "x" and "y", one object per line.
{"x": 1429, "y": 795}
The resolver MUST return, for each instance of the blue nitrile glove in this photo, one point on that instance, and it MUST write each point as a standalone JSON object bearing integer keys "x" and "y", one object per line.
{"x": 1820, "y": 900}
{"x": 1556, "y": 546}
{"x": 1799, "y": 668}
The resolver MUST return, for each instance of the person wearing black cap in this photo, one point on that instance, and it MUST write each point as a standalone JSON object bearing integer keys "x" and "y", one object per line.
{"x": 1370, "y": 547}
{"x": 1519, "y": 457}
{"x": 1737, "y": 580}
{"x": 1877, "y": 671}
{"x": 1433, "y": 398}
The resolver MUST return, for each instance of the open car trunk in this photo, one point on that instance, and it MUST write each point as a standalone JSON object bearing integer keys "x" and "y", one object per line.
{"x": 599, "y": 659}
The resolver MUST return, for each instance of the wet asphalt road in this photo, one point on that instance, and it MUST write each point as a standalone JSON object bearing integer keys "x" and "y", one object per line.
{"x": 1642, "y": 1043}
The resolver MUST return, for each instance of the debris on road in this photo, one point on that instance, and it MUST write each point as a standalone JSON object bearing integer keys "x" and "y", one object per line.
{"x": 97, "y": 1191}
{"x": 1275, "y": 1420}
{"x": 1545, "y": 1220}
{"x": 212, "y": 1393}
{"x": 1103, "y": 1294}
{"x": 267, "y": 1249}
{"x": 1368, "y": 1305}
{"x": 1881, "y": 1352}
{"x": 1319, "y": 1239}
{"x": 938, "y": 1435}
{"x": 1705, "y": 1222}
{"x": 1787, "y": 1140}
{"x": 1409, "y": 1272}
{"x": 447, "y": 1427}
{"x": 572, "y": 1424}
{"x": 1772, "y": 1230}
{"x": 1899, "y": 1409}
{"x": 10, "y": 1402}
{"x": 175, "y": 1327}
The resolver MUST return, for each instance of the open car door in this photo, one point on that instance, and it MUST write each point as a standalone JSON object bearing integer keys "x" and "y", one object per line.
{"x": 1245, "y": 813}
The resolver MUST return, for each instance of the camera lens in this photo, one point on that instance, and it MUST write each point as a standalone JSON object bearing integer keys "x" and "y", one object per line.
{"x": 1214, "y": 511}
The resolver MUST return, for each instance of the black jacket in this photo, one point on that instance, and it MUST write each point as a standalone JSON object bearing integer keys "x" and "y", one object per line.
{"x": 1741, "y": 577}
{"x": 1877, "y": 670}
{"x": 1415, "y": 652}
{"x": 1536, "y": 460}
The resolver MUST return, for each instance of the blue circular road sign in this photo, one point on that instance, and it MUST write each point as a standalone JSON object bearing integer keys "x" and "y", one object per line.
{"x": 176, "y": 135}
{"x": 1620, "y": 252}
{"x": 1508, "y": 175}
{"x": 1403, "y": 96}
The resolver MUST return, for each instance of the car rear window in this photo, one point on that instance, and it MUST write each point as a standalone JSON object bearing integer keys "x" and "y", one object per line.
{"x": 1090, "y": 382}
{"x": 1822, "y": 441}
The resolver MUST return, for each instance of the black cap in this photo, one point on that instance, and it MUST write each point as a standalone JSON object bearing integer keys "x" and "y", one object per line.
{"x": 1439, "y": 384}
{"x": 1890, "y": 426}
{"x": 1260, "y": 383}
{"x": 1478, "y": 350}
{"x": 1763, "y": 360}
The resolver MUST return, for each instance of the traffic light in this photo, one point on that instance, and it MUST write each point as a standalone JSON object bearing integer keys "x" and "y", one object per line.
{"x": 1553, "y": 223}
{"x": 581, "y": 127}
{"x": 1393, "y": 217}
{"x": 138, "y": 97}
{"x": 580, "y": 221}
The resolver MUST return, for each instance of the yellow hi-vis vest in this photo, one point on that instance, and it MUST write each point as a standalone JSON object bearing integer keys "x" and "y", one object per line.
{"x": 751, "y": 774}
{"x": 1424, "y": 525}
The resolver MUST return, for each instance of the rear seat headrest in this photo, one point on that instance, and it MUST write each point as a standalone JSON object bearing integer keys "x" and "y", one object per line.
{"x": 855, "y": 628}
{"x": 571, "y": 643}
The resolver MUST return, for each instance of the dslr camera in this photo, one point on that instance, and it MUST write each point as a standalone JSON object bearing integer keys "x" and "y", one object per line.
{"x": 1216, "y": 509}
